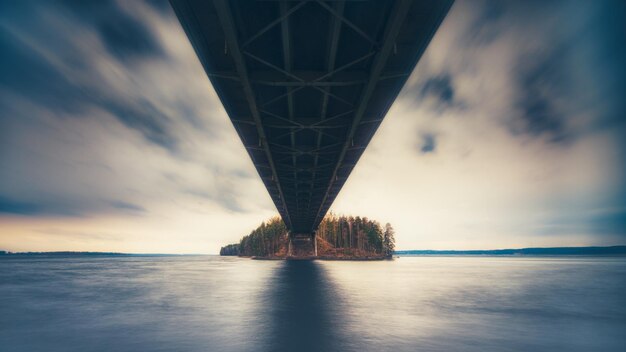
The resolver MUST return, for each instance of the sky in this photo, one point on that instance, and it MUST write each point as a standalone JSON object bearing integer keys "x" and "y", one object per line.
{"x": 511, "y": 132}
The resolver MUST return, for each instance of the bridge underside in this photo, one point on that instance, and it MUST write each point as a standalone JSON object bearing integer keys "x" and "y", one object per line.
{"x": 306, "y": 84}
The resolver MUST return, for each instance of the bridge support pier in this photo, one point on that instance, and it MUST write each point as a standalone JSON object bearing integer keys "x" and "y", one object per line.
{"x": 289, "y": 252}
{"x": 302, "y": 246}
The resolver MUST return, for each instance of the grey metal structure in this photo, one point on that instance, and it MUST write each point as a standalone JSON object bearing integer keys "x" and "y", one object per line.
{"x": 307, "y": 83}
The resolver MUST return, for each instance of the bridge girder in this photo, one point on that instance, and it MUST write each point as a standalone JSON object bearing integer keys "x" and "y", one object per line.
{"x": 307, "y": 83}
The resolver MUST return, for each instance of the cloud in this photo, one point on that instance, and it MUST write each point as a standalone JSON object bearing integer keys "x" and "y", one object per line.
{"x": 69, "y": 235}
{"x": 99, "y": 102}
{"x": 162, "y": 6}
{"x": 9, "y": 206}
{"x": 36, "y": 208}
{"x": 121, "y": 205}
{"x": 428, "y": 144}
{"x": 125, "y": 36}
{"x": 440, "y": 88}
{"x": 144, "y": 117}
{"x": 66, "y": 76}
{"x": 26, "y": 72}
{"x": 612, "y": 222}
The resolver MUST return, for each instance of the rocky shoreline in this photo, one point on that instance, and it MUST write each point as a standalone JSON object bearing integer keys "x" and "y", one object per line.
{"x": 326, "y": 258}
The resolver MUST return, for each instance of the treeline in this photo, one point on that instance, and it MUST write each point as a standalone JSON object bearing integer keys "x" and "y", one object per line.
{"x": 269, "y": 239}
{"x": 231, "y": 249}
{"x": 359, "y": 233}
{"x": 338, "y": 236}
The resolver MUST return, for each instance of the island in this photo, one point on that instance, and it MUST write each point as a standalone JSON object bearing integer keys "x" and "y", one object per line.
{"x": 338, "y": 238}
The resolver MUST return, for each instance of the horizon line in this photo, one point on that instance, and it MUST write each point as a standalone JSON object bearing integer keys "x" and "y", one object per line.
{"x": 400, "y": 251}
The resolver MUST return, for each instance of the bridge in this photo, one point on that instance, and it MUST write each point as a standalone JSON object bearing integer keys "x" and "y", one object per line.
{"x": 307, "y": 83}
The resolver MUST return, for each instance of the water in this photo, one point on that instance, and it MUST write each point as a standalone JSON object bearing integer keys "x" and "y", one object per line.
{"x": 208, "y": 303}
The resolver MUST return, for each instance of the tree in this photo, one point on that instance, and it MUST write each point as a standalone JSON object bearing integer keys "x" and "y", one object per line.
{"x": 265, "y": 240}
{"x": 389, "y": 242}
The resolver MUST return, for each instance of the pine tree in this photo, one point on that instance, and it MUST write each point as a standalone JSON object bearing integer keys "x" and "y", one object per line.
{"x": 389, "y": 242}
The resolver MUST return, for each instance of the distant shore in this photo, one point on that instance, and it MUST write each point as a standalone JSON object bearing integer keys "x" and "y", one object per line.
{"x": 610, "y": 250}
{"x": 88, "y": 254}
{"x": 66, "y": 253}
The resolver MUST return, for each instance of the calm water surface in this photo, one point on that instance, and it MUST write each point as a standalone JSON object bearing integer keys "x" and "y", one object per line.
{"x": 209, "y": 303}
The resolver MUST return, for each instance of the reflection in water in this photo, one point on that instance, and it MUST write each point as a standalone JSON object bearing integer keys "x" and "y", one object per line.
{"x": 302, "y": 309}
